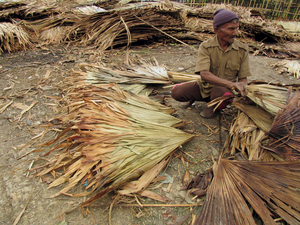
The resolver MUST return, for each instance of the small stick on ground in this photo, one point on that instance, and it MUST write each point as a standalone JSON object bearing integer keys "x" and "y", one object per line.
{"x": 20, "y": 215}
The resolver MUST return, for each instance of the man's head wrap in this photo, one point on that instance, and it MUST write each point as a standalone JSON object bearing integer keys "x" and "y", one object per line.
{"x": 223, "y": 16}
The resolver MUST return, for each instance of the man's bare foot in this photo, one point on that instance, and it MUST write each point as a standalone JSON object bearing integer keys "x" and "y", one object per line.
{"x": 185, "y": 105}
{"x": 208, "y": 113}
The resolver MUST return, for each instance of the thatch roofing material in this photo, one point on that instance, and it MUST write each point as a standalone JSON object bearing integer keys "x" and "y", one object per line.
{"x": 110, "y": 137}
{"x": 285, "y": 131}
{"x": 120, "y": 24}
{"x": 137, "y": 71}
{"x": 13, "y": 37}
{"x": 269, "y": 187}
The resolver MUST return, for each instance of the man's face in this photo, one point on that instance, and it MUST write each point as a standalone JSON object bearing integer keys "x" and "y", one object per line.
{"x": 227, "y": 32}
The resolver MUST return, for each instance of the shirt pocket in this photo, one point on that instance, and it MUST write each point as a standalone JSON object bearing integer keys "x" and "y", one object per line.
{"x": 214, "y": 69}
{"x": 231, "y": 70}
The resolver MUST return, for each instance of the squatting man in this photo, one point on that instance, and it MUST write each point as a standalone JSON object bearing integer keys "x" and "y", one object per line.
{"x": 222, "y": 63}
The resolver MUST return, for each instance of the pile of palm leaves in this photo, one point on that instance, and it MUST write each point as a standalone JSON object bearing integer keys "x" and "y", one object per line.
{"x": 136, "y": 71}
{"x": 109, "y": 137}
{"x": 107, "y": 24}
{"x": 270, "y": 188}
{"x": 262, "y": 182}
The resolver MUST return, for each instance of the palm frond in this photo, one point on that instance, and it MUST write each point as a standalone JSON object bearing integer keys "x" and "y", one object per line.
{"x": 136, "y": 71}
{"x": 271, "y": 188}
{"x": 259, "y": 116}
{"x": 13, "y": 37}
{"x": 110, "y": 137}
{"x": 285, "y": 131}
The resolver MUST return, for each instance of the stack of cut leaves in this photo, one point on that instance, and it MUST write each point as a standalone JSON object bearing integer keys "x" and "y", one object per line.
{"x": 247, "y": 132}
{"x": 108, "y": 138}
{"x": 137, "y": 71}
{"x": 262, "y": 181}
{"x": 253, "y": 121}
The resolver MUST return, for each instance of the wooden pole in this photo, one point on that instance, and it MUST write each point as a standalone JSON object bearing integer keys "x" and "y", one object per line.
{"x": 250, "y": 3}
{"x": 254, "y": 3}
{"x": 242, "y": 3}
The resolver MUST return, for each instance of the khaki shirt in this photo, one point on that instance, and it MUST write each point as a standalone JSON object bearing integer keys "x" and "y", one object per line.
{"x": 231, "y": 64}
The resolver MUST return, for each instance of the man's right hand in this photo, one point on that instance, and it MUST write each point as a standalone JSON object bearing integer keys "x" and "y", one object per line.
{"x": 241, "y": 87}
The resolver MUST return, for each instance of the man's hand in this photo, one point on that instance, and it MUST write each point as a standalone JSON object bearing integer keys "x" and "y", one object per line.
{"x": 241, "y": 87}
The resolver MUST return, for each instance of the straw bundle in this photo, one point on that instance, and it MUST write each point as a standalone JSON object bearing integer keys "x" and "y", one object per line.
{"x": 13, "y": 37}
{"x": 136, "y": 71}
{"x": 123, "y": 27}
{"x": 108, "y": 138}
{"x": 269, "y": 97}
{"x": 271, "y": 188}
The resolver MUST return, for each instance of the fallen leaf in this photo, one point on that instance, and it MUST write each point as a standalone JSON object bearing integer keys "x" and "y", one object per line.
{"x": 19, "y": 105}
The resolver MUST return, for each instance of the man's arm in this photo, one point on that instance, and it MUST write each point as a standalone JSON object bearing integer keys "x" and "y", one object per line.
{"x": 239, "y": 86}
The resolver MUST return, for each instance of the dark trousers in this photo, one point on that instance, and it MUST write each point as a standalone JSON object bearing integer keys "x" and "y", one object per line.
{"x": 191, "y": 92}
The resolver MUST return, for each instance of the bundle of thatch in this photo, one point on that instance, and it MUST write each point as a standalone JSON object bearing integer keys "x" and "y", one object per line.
{"x": 113, "y": 23}
{"x": 248, "y": 131}
{"x": 122, "y": 27}
{"x": 136, "y": 71}
{"x": 109, "y": 137}
{"x": 9, "y": 9}
{"x": 13, "y": 37}
{"x": 270, "y": 188}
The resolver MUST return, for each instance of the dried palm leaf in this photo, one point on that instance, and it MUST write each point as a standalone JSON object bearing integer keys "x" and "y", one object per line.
{"x": 246, "y": 137}
{"x": 269, "y": 97}
{"x": 13, "y": 37}
{"x": 271, "y": 188}
{"x": 110, "y": 137}
{"x": 137, "y": 71}
{"x": 288, "y": 67}
{"x": 88, "y": 10}
{"x": 285, "y": 131}
{"x": 59, "y": 20}
{"x": 55, "y": 35}
{"x": 259, "y": 116}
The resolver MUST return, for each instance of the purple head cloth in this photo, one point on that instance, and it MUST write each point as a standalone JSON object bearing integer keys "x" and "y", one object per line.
{"x": 223, "y": 16}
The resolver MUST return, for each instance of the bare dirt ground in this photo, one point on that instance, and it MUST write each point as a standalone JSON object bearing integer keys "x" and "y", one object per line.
{"x": 33, "y": 78}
